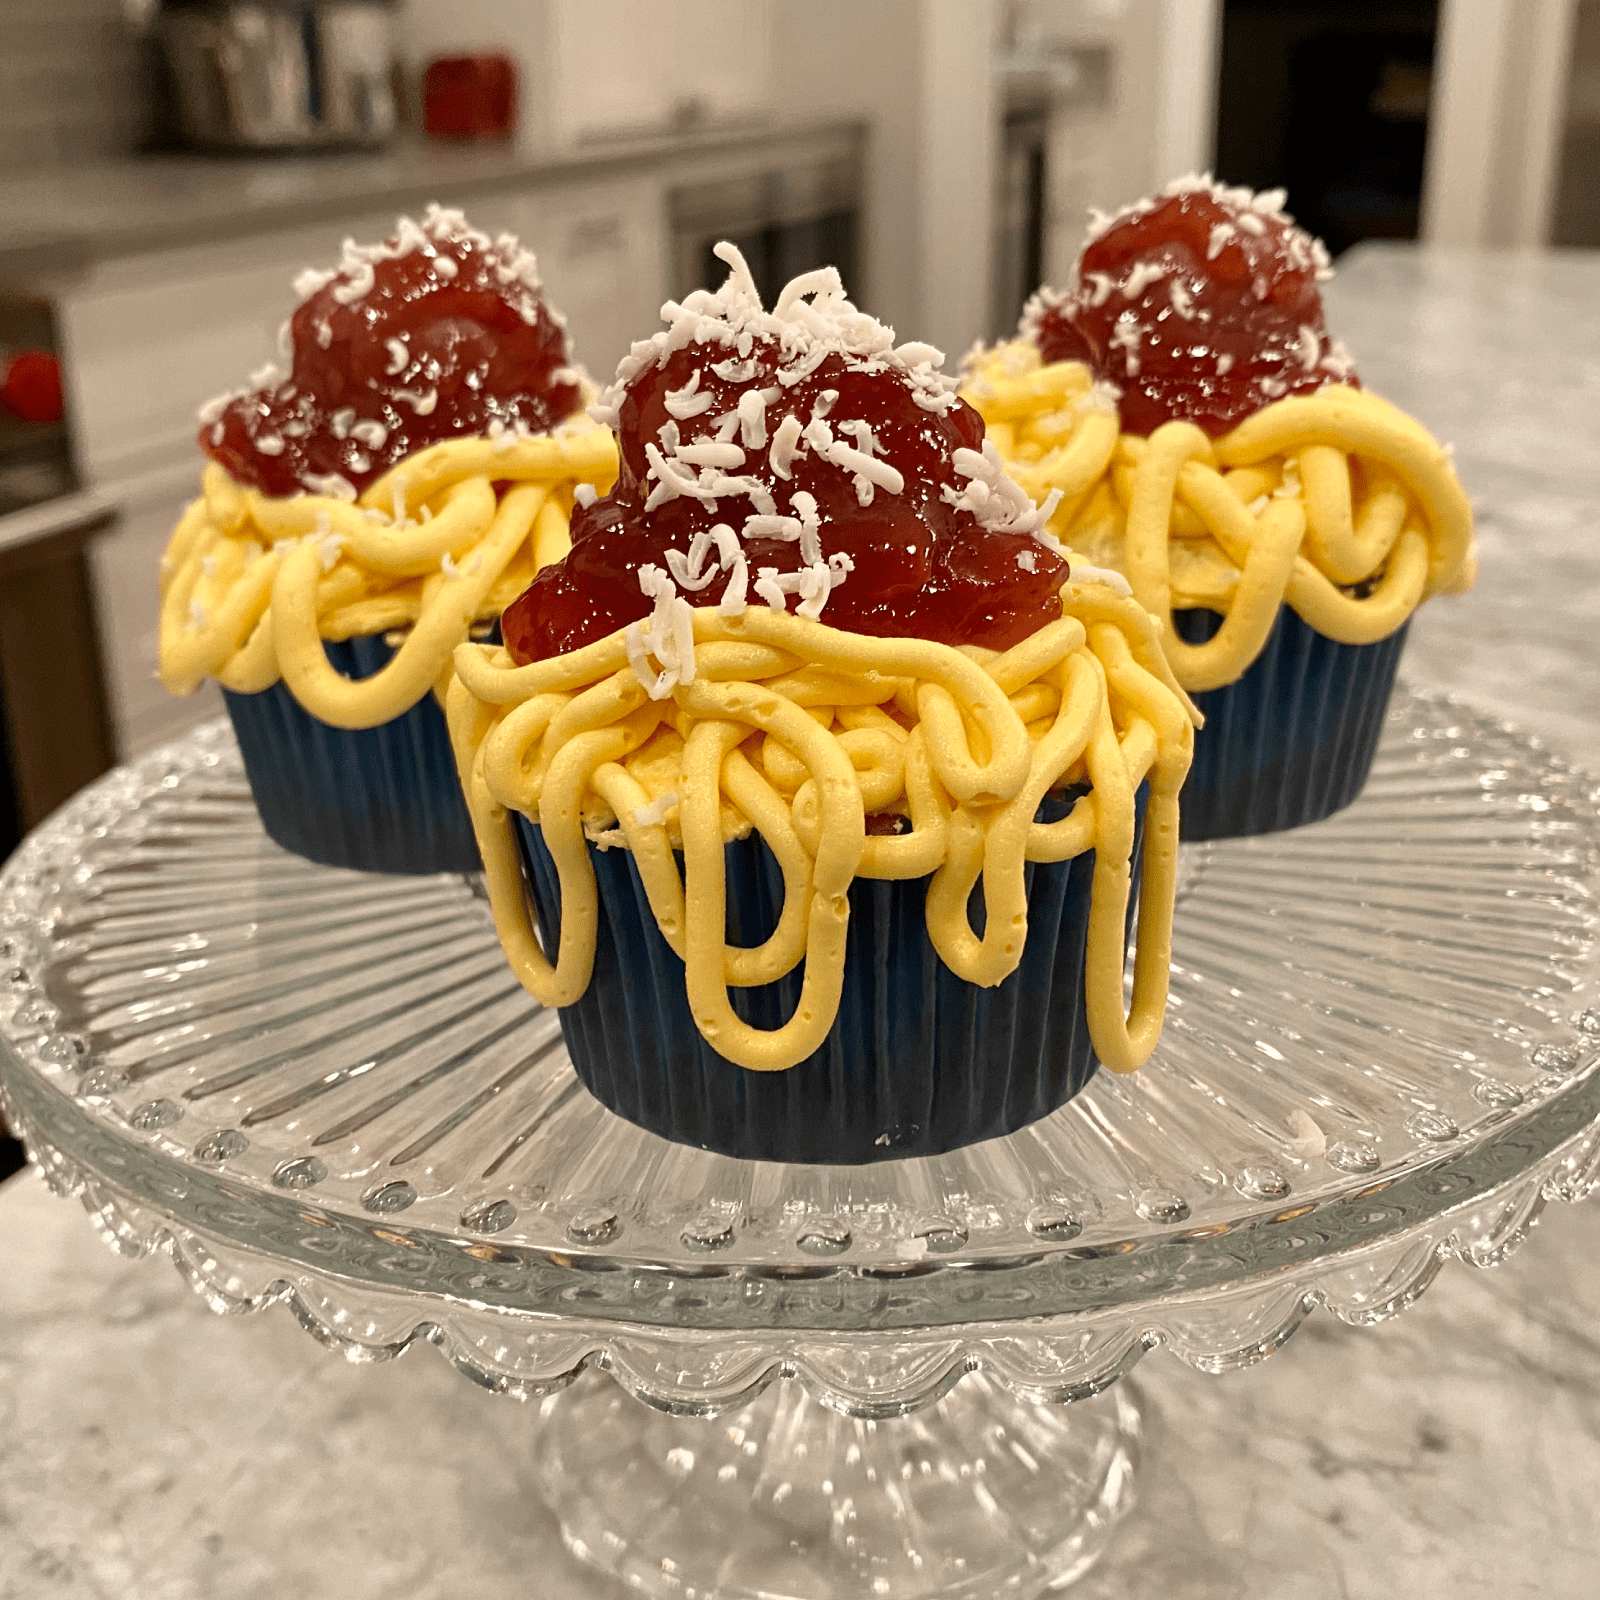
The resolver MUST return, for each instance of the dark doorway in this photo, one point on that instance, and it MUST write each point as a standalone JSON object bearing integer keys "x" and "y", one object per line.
{"x": 1329, "y": 101}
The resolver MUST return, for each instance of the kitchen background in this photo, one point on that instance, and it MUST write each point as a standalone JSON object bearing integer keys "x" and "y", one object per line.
{"x": 162, "y": 181}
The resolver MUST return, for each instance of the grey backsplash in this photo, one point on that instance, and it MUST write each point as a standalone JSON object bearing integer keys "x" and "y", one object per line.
{"x": 73, "y": 85}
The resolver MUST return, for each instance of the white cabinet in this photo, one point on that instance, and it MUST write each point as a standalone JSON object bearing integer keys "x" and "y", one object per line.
{"x": 618, "y": 67}
{"x": 602, "y": 252}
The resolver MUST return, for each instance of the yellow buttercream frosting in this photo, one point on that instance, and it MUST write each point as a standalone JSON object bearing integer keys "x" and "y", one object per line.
{"x": 1336, "y": 503}
{"x": 252, "y": 584}
{"x": 798, "y": 731}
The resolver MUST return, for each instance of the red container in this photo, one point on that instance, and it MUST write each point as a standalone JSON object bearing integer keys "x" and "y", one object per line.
{"x": 470, "y": 97}
{"x": 31, "y": 387}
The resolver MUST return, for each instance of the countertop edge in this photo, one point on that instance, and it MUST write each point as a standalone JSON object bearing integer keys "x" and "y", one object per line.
{"x": 407, "y": 175}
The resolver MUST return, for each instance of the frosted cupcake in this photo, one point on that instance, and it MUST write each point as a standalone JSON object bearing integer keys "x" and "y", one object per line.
{"x": 363, "y": 514}
{"x": 820, "y": 773}
{"x": 1208, "y": 440}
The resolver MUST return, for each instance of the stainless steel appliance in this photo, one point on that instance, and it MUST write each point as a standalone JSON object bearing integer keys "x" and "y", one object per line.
{"x": 786, "y": 220}
{"x": 281, "y": 74}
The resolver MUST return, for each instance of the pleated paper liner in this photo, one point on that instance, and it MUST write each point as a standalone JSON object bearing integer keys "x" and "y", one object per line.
{"x": 382, "y": 799}
{"x": 1292, "y": 740}
{"x": 917, "y": 1061}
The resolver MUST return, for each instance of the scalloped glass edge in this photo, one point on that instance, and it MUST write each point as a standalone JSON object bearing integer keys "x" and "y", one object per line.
{"x": 868, "y": 1373}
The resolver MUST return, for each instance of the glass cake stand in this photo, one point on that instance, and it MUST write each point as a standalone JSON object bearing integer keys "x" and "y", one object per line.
{"x": 325, "y": 1089}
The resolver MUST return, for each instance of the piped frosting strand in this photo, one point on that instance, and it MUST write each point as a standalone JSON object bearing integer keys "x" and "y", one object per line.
{"x": 253, "y": 584}
{"x": 1335, "y": 503}
{"x": 798, "y": 731}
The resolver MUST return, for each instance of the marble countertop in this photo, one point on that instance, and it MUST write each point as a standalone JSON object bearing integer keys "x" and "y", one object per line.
{"x": 1499, "y": 353}
{"x": 52, "y": 221}
{"x": 152, "y": 1451}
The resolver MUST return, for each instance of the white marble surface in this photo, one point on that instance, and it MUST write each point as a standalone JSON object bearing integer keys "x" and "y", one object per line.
{"x": 152, "y": 1451}
{"x": 1500, "y": 355}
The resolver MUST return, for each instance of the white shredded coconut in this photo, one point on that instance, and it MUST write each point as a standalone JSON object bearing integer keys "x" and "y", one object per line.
{"x": 655, "y": 814}
{"x": 1000, "y": 504}
{"x": 584, "y": 494}
{"x": 1142, "y": 275}
{"x": 1082, "y": 572}
{"x": 1338, "y": 360}
{"x": 671, "y": 626}
{"x": 399, "y": 357}
{"x": 1125, "y": 337}
{"x": 812, "y": 319}
{"x": 785, "y": 443}
{"x": 312, "y": 280}
{"x": 422, "y": 401}
{"x": 333, "y": 484}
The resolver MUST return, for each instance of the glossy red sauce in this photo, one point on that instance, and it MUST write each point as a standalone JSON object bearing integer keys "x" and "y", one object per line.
{"x": 1227, "y": 319}
{"x": 422, "y": 355}
{"x": 922, "y": 567}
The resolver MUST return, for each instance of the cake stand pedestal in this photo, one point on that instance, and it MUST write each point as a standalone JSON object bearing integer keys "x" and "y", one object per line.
{"x": 325, "y": 1089}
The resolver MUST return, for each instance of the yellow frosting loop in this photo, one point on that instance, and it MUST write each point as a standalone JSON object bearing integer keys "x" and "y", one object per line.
{"x": 799, "y": 732}
{"x": 253, "y": 585}
{"x": 1334, "y": 503}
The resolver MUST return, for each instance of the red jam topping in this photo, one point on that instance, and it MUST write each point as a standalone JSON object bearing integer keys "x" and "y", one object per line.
{"x": 1201, "y": 305}
{"x": 802, "y": 461}
{"x": 438, "y": 333}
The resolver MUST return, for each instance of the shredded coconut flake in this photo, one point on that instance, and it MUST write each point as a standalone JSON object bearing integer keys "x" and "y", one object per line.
{"x": 1082, "y": 572}
{"x": 999, "y": 503}
{"x": 333, "y": 484}
{"x": 671, "y": 636}
{"x": 655, "y": 814}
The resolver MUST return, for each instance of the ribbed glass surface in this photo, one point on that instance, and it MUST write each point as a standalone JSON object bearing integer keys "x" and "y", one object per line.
{"x": 1381, "y": 1048}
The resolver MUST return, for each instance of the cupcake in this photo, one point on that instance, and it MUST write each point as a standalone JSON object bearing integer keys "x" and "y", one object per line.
{"x": 363, "y": 514}
{"x": 810, "y": 784}
{"x": 1203, "y": 436}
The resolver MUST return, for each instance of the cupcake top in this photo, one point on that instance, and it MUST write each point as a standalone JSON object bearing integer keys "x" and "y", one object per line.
{"x": 1200, "y": 303}
{"x": 1185, "y": 415}
{"x": 795, "y": 459}
{"x": 407, "y": 478}
{"x": 438, "y": 332}
{"x": 816, "y": 608}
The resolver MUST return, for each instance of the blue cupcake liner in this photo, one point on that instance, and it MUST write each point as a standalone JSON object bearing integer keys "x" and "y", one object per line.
{"x": 382, "y": 799}
{"x": 1292, "y": 740}
{"x": 917, "y": 1061}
